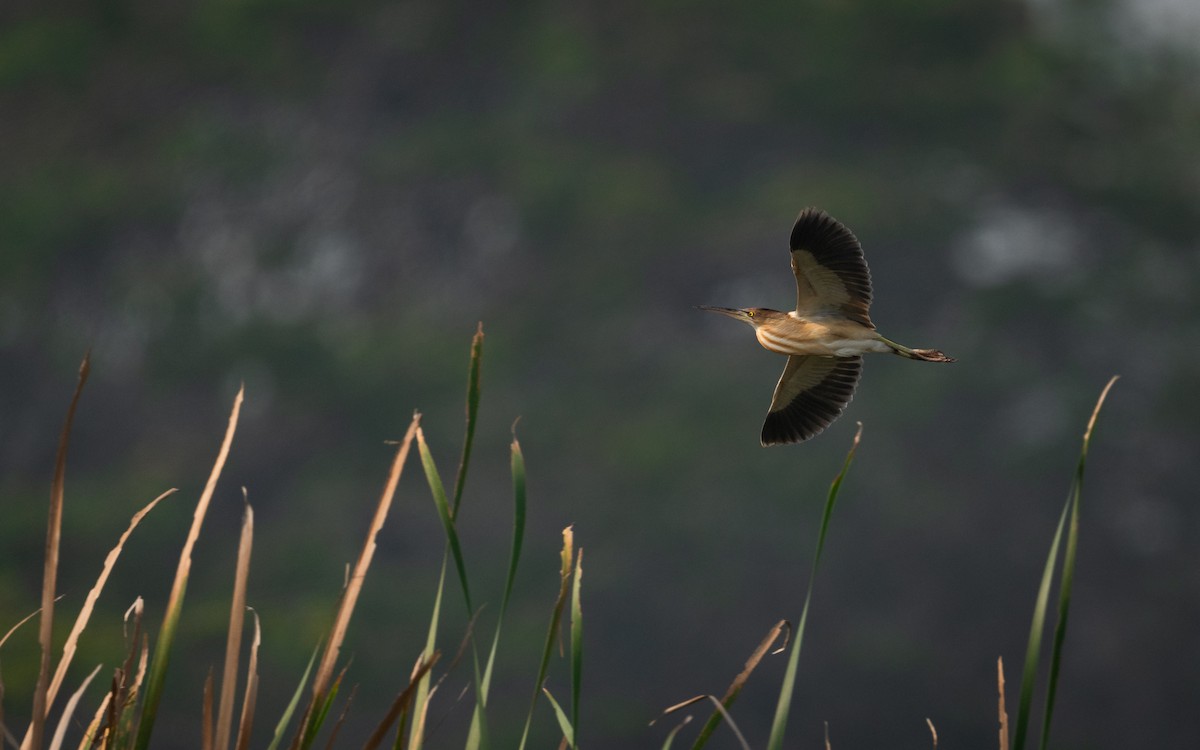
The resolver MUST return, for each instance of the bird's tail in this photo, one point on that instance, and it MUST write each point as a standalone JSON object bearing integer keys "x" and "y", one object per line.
{"x": 924, "y": 355}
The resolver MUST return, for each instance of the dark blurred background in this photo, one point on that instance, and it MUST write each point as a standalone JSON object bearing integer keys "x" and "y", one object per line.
{"x": 322, "y": 199}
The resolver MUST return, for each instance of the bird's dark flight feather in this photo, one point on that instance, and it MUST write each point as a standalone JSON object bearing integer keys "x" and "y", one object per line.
{"x": 812, "y": 393}
{"x": 830, "y": 270}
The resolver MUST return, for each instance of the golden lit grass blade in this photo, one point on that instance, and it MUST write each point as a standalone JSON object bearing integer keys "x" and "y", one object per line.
{"x": 353, "y": 588}
{"x": 21, "y": 622}
{"x": 932, "y": 732}
{"x": 789, "y": 679}
{"x": 718, "y": 706}
{"x": 1003, "y": 710}
{"x": 564, "y": 724}
{"x": 251, "y": 697}
{"x": 69, "y": 711}
{"x": 128, "y": 678}
{"x": 1069, "y": 515}
{"x": 671, "y": 735}
{"x": 576, "y": 645}
{"x": 90, "y": 736}
{"x": 293, "y": 703}
{"x": 1067, "y": 574}
{"x": 421, "y": 714}
{"x": 166, "y": 637}
{"x": 735, "y": 687}
{"x": 41, "y": 705}
{"x": 566, "y": 557}
{"x": 400, "y": 704}
{"x": 233, "y": 641}
{"x": 89, "y": 603}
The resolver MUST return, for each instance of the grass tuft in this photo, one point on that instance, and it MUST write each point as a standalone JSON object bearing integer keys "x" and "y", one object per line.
{"x": 1068, "y": 520}
{"x": 125, "y": 714}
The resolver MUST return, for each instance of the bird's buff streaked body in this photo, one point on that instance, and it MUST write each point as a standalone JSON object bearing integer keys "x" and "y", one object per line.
{"x": 827, "y": 334}
{"x": 820, "y": 336}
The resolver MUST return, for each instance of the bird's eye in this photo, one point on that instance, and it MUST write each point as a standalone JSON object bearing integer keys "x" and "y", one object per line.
{"x": 749, "y": 313}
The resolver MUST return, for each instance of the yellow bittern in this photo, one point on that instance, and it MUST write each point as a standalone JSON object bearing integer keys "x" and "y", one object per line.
{"x": 827, "y": 334}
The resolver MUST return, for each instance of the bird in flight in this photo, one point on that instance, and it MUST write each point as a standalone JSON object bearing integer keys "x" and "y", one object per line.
{"x": 827, "y": 334}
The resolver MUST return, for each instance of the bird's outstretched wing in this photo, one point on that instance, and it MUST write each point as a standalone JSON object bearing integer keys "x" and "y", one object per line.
{"x": 812, "y": 392}
{"x": 831, "y": 274}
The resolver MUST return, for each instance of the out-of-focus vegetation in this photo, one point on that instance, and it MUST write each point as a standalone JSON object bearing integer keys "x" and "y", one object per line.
{"x": 321, "y": 199}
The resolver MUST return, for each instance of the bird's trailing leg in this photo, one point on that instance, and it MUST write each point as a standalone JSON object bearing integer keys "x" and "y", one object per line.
{"x": 925, "y": 355}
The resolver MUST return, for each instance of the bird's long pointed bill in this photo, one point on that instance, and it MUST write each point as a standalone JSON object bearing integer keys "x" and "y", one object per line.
{"x": 730, "y": 311}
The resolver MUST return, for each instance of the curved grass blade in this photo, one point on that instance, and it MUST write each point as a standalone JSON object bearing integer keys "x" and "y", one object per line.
{"x": 89, "y": 603}
{"x": 349, "y": 597}
{"x": 789, "y": 679}
{"x": 472, "y": 415}
{"x": 90, "y": 736}
{"x": 477, "y": 736}
{"x": 718, "y": 707}
{"x": 317, "y": 719}
{"x": 735, "y": 687}
{"x": 438, "y": 490}
{"x": 416, "y": 737}
{"x": 341, "y": 719}
{"x": 1067, "y": 576}
{"x": 564, "y": 724}
{"x": 400, "y": 704}
{"x": 61, "y": 732}
{"x": 50, "y": 570}
{"x": 251, "y": 697}
{"x": 1068, "y": 520}
{"x": 233, "y": 641}
{"x": 671, "y": 735}
{"x": 166, "y": 638}
{"x": 294, "y": 703}
{"x": 517, "y": 462}
{"x": 566, "y": 557}
{"x": 420, "y": 700}
{"x": 576, "y": 647}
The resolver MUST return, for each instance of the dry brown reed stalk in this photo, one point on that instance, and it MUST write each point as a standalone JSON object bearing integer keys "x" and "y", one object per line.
{"x": 251, "y": 697}
{"x": 784, "y": 628}
{"x": 89, "y": 603}
{"x": 233, "y": 642}
{"x": 37, "y": 724}
{"x": 162, "y": 652}
{"x": 400, "y": 704}
{"x": 206, "y": 722}
{"x": 1003, "y": 710}
{"x": 349, "y": 598}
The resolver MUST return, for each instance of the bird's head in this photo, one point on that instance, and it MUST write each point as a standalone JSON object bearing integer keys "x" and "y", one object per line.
{"x": 755, "y": 316}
